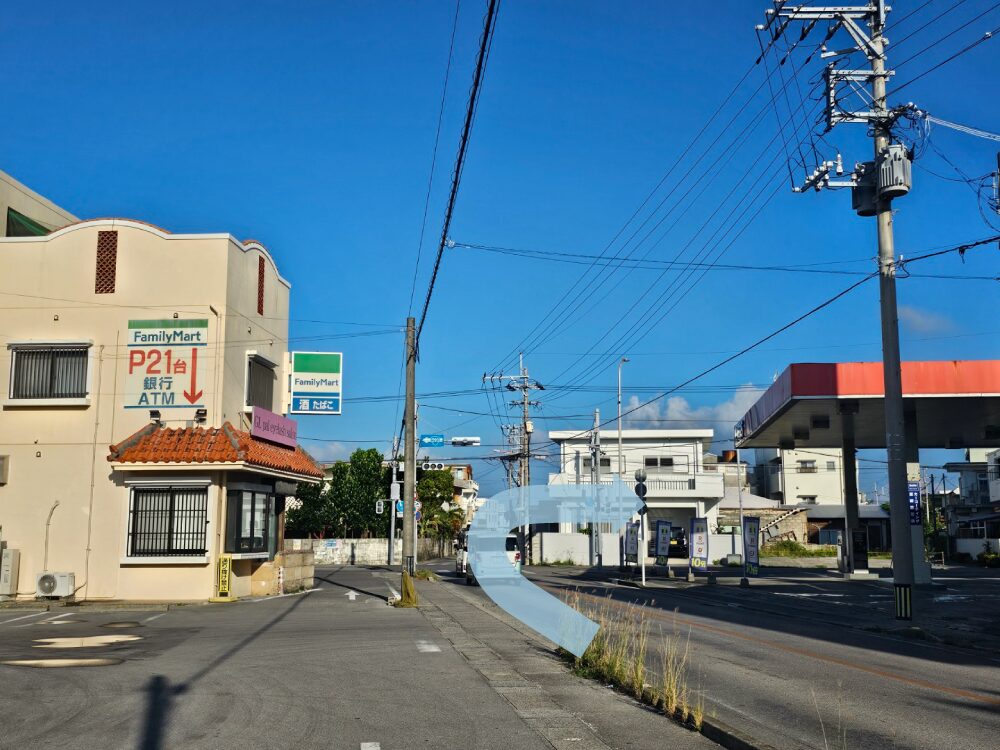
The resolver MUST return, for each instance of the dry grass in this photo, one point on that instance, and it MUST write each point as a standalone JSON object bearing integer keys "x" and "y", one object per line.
{"x": 619, "y": 653}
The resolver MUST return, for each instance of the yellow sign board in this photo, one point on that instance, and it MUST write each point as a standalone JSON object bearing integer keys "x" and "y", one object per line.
{"x": 225, "y": 574}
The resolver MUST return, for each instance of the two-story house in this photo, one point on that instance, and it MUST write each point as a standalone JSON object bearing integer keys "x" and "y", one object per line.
{"x": 680, "y": 486}
{"x": 140, "y": 374}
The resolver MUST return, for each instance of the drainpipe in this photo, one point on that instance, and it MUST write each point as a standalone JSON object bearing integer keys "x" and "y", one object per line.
{"x": 48, "y": 522}
{"x": 93, "y": 478}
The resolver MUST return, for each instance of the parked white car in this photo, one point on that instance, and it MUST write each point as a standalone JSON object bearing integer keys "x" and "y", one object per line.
{"x": 513, "y": 554}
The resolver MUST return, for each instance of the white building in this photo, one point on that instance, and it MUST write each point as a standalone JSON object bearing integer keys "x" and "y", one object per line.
{"x": 800, "y": 477}
{"x": 680, "y": 485}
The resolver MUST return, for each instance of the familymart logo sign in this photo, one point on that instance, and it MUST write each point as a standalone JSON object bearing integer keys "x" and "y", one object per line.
{"x": 316, "y": 383}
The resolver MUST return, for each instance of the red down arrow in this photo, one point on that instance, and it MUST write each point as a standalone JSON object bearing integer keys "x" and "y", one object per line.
{"x": 192, "y": 395}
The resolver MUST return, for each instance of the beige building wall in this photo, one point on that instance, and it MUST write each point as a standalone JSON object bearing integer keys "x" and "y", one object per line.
{"x": 60, "y": 485}
{"x": 27, "y": 202}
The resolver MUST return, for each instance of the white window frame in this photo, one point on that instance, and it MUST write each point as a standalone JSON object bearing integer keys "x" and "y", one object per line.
{"x": 252, "y": 354}
{"x": 13, "y": 346}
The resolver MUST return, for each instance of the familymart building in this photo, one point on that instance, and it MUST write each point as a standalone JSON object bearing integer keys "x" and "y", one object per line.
{"x": 141, "y": 436}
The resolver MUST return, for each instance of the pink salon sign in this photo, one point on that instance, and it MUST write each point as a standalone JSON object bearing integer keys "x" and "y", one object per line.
{"x": 267, "y": 425}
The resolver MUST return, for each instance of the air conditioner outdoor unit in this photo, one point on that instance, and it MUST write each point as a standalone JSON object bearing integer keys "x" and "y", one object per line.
{"x": 55, "y": 585}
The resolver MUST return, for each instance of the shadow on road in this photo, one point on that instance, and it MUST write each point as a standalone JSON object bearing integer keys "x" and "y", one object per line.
{"x": 161, "y": 696}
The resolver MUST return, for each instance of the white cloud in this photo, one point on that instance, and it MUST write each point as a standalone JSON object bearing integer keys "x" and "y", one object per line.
{"x": 328, "y": 451}
{"x": 679, "y": 414}
{"x": 924, "y": 321}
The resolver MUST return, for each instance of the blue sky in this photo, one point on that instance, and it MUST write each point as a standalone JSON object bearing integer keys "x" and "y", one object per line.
{"x": 310, "y": 127}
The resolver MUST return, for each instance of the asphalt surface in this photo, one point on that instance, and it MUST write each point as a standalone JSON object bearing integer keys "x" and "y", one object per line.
{"x": 810, "y": 661}
{"x": 325, "y": 669}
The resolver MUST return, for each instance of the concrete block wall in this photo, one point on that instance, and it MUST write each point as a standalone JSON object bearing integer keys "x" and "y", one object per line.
{"x": 364, "y": 551}
{"x": 551, "y": 547}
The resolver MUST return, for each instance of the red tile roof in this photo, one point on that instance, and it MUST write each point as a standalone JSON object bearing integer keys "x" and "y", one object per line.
{"x": 206, "y": 445}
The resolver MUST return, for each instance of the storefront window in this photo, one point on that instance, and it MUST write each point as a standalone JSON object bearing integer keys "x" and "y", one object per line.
{"x": 251, "y": 526}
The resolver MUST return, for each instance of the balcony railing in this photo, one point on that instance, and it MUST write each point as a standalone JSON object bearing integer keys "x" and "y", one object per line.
{"x": 688, "y": 485}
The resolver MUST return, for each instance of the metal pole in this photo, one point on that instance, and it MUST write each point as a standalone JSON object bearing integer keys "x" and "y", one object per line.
{"x": 525, "y": 532}
{"x": 621, "y": 455}
{"x": 895, "y": 426}
{"x": 743, "y": 542}
{"x": 409, "y": 451}
{"x": 392, "y": 502}
{"x": 595, "y": 475}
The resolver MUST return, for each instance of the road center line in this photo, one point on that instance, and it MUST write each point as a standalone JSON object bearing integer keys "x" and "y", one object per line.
{"x": 915, "y": 682}
{"x": 426, "y": 647}
{"x": 371, "y": 746}
{"x": 150, "y": 619}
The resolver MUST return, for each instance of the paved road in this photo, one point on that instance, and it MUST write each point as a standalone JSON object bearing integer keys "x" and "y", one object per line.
{"x": 788, "y": 663}
{"x": 319, "y": 670}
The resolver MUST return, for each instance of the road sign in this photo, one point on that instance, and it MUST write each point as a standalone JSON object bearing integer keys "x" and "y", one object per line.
{"x": 751, "y": 539}
{"x": 417, "y": 505}
{"x": 640, "y": 489}
{"x": 698, "y": 543}
{"x": 316, "y": 383}
{"x": 163, "y": 367}
{"x": 432, "y": 441}
{"x": 466, "y": 441}
{"x": 416, "y": 516}
{"x": 394, "y": 491}
{"x": 399, "y": 506}
{"x": 379, "y": 507}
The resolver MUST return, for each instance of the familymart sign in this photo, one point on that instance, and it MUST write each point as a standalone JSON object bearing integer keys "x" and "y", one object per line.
{"x": 316, "y": 383}
{"x": 167, "y": 364}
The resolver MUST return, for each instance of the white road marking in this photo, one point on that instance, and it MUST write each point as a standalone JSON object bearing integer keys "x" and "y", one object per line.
{"x": 352, "y": 595}
{"x": 393, "y": 591}
{"x": 150, "y": 619}
{"x": 24, "y": 617}
{"x": 281, "y": 596}
{"x": 426, "y": 647}
{"x": 371, "y": 746}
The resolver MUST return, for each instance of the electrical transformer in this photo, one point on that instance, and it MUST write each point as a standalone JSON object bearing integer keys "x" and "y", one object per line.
{"x": 863, "y": 193}
{"x": 894, "y": 172}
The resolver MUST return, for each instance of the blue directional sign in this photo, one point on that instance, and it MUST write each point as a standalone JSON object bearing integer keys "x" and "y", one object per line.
{"x": 416, "y": 516}
{"x": 399, "y": 506}
{"x": 432, "y": 441}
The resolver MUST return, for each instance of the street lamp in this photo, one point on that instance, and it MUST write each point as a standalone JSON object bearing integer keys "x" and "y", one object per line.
{"x": 621, "y": 457}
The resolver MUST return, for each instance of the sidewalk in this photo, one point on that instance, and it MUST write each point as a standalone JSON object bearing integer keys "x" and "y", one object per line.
{"x": 519, "y": 665}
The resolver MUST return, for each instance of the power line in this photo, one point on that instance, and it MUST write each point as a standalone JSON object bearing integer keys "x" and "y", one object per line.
{"x": 437, "y": 139}
{"x": 988, "y": 35}
{"x": 950, "y": 34}
{"x": 485, "y": 42}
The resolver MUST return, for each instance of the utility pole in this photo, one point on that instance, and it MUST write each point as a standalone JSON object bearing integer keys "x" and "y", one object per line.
{"x": 409, "y": 451}
{"x": 621, "y": 459}
{"x": 595, "y": 480}
{"x": 521, "y": 382}
{"x": 874, "y": 184}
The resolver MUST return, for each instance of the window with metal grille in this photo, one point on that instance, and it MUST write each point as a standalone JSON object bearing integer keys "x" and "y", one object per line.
{"x": 260, "y": 383}
{"x": 107, "y": 263}
{"x": 260, "y": 285}
{"x": 48, "y": 371}
{"x": 167, "y": 521}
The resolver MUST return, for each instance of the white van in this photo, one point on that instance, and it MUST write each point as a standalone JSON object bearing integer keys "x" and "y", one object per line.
{"x": 513, "y": 554}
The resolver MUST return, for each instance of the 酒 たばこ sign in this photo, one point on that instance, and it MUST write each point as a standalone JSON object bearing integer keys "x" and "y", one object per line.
{"x": 163, "y": 370}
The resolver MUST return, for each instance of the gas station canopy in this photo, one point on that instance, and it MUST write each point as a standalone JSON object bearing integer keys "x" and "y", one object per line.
{"x": 951, "y": 404}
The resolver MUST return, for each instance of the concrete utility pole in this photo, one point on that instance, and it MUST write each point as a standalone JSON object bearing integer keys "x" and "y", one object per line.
{"x": 874, "y": 184}
{"x": 410, "y": 451}
{"x": 621, "y": 457}
{"x": 523, "y": 383}
{"x": 595, "y": 479}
